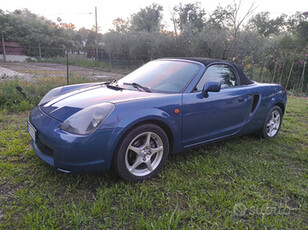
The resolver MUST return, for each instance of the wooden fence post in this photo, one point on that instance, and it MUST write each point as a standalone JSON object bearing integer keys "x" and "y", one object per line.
{"x": 40, "y": 52}
{"x": 301, "y": 83}
{"x": 289, "y": 75}
{"x": 67, "y": 69}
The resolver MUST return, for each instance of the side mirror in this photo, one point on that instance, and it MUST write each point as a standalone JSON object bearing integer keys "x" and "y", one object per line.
{"x": 210, "y": 86}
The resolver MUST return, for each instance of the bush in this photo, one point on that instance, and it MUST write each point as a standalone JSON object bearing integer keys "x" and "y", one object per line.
{"x": 21, "y": 106}
{"x": 2, "y": 114}
{"x": 9, "y": 95}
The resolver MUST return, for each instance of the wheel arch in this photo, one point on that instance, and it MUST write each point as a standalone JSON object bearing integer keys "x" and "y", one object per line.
{"x": 281, "y": 106}
{"x": 157, "y": 122}
{"x": 163, "y": 126}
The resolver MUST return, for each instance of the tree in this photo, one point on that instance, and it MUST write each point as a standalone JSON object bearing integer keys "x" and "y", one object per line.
{"x": 217, "y": 19}
{"x": 148, "y": 19}
{"x": 213, "y": 43}
{"x": 302, "y": 34}
{"x": 32, "y": 31}
{"x": 293, "y": 21}
{"x": 120, "y": 25}
{"x": 190, "y": 17}
{"x": 233, "y": 18}
{"x": 265, "y": 26}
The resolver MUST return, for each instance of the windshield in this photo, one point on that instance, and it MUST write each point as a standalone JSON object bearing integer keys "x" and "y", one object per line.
{"x": 163, "y": 76}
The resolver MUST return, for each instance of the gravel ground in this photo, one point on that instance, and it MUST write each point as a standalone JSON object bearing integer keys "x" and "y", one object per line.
{"x": 30, "y": 71}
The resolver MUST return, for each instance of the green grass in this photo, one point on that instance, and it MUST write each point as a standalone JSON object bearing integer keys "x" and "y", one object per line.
{"x": 78, "y": 62}
{"x": 206, "y": 187}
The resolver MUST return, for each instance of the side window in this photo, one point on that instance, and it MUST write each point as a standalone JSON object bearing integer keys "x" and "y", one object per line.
{"x": 219, "y": 73}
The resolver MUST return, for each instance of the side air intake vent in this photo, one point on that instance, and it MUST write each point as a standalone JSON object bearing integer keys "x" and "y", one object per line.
{"x": 255, "y": 102}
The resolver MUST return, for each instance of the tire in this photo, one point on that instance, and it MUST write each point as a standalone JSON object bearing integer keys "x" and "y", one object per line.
{"x": 272, "y": 123}
{"x": 142, "y": 153}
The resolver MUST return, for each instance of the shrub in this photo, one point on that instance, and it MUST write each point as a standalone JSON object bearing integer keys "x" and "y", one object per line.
{"x": 9, "y": 95}
{"x": 21, "y": 106}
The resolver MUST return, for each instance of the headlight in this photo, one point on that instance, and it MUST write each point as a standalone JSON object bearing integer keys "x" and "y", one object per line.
{"x": 88, "y": 119}
{"x": 50, "y": 95}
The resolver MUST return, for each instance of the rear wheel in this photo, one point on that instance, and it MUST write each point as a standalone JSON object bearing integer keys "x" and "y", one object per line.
{"x": 142, "y": 153}
{"x": 272, "y": 123}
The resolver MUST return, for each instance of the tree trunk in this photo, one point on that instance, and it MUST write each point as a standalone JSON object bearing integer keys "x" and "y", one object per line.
{"x": 274, "y": 72}
{"x": 261, "y": 74}
{"x": 281, "y": 73}
{"x": 289, "y": 75}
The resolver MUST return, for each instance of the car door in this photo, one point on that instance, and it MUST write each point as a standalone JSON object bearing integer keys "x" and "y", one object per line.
{"x": 221, "y": 114}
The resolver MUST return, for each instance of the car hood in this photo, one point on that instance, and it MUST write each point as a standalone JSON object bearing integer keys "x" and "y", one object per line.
{"x": 67, "y": 104}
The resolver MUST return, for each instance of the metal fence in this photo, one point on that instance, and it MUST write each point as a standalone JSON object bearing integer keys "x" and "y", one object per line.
{"x": 25, "y": 63}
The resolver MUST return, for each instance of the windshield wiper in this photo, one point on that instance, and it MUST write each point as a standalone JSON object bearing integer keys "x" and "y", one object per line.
{"x": 137, "y": 86}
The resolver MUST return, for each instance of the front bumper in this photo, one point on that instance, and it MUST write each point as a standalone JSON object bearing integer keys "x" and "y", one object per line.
{"x": 70, "y": 152}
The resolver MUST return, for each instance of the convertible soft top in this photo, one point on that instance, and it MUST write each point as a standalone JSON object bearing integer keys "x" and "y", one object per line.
{"x": 207, "y": 61}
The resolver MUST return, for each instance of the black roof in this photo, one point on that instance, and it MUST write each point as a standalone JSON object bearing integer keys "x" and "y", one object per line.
{"x": 207, "y": 61}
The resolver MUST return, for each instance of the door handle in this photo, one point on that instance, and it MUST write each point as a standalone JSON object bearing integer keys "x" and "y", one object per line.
{"x": 242, "y": 99}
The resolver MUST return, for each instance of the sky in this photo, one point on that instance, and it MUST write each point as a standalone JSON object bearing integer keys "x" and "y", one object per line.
{"x": 81, "y": 13}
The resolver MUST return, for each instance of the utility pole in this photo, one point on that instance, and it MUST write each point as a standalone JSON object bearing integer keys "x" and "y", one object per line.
{"x": 96, "y": 19}
{"x": 3, "y": 47}
{"x": 96, "y": 37}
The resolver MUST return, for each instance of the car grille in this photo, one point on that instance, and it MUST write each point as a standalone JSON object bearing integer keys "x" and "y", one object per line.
{"x": 44, "y": 148}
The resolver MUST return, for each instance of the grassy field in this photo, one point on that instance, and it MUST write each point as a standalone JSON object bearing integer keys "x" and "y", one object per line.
{"x": 242, "y": 183}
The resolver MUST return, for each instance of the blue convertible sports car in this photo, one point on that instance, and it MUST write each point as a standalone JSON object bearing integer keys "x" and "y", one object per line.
{"x": 163, "y": 107}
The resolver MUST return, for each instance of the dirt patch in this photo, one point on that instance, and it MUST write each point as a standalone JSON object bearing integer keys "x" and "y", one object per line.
{"x": 29, "y": 71}
{"x": 298, "y": 97}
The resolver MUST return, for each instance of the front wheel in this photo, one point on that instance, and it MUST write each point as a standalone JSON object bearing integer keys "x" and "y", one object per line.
{"x": 142, "y": 153}
{"x": 272, "y": 123}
